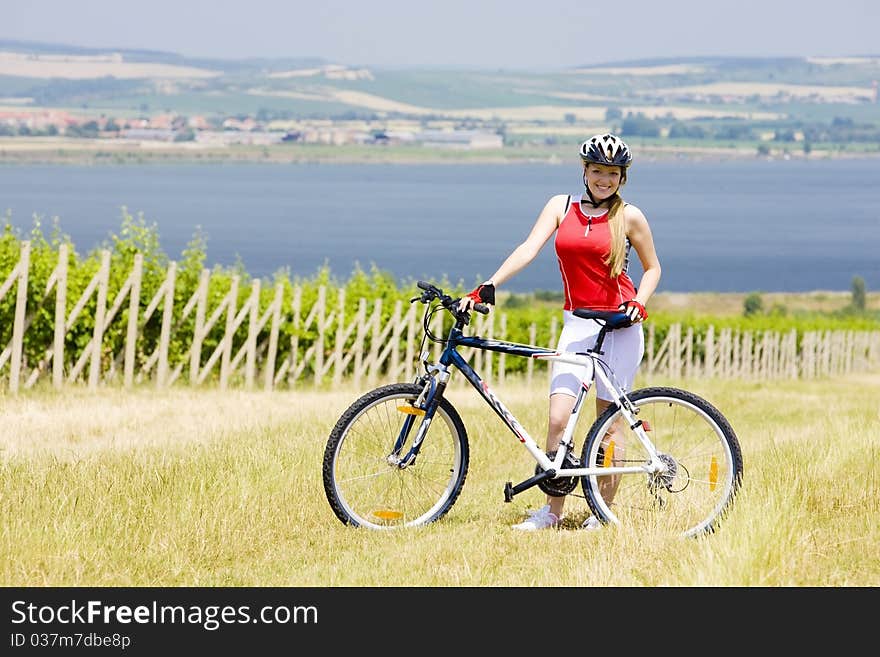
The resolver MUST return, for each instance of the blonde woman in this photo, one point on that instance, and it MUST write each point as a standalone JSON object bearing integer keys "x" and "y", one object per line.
{"x": 593, "y": 238}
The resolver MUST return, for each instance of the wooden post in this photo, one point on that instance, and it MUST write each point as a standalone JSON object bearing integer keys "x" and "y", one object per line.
{"x": 195, "y": 354}
{"x": 100, "y": 309}
{"x": 689, "y": 352}
{"x": 340, "y": 338}
{"x": 791, "y": 355}
{"x": 23, "y": 268}
{"x": 320, "y": 305}
{"x": 725, "y": 351}
{"x": 226, "y": 348}
{"x": 250, "y": 362}
{"x": 134, "y": 309}
{"x": 165, "y": 332}
{"x": 375, "y": 321}
{"x": 60, "y": 318}
{"x": 296, "y": 305}
{"x": 675, "y": 351}
{"x": 272, "y": 353}
{"x": 709, "y": 353}
{"x": 358, "y": 345}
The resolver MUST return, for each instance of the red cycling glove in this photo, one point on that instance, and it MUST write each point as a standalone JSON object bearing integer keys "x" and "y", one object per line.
{"x": 484, "y": 293}
{"x": 635, "y": 310}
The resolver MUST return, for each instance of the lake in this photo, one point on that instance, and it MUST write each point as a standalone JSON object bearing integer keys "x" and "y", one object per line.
{"x": 734, "y": 226}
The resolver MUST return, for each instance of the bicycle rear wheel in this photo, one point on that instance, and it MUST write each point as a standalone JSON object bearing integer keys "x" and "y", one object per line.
{"x": 696, "y": 443}
{"x": 363, "y": 481}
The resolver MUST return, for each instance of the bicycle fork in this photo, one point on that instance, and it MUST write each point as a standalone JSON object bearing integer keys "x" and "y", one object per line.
{"x": 423, "y": 406}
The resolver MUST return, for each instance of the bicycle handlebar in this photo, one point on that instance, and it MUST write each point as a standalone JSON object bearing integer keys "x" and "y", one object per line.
{"x": 431, "y": 292}
{"x": 610, "y": 319}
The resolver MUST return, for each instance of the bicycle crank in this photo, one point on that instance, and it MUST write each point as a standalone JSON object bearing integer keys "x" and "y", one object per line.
{"x": 559, "y": 486}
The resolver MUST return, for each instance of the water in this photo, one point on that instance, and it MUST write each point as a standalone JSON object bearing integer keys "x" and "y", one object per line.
{"x": 785, "y": 226}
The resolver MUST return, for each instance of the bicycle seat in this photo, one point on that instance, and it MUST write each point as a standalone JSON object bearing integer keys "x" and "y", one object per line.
{"x": 613, "y": 319}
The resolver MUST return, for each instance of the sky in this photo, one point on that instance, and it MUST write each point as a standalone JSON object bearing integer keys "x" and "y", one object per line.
{"x": 449, "y": 34}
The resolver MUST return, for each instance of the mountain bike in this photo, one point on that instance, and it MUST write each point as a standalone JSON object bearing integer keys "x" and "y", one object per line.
{"x": 398, "y": 456}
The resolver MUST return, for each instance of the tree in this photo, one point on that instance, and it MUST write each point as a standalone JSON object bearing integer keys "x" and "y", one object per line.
{"x": 639, "y": 125}
{"x": 612, "y": 114}
{"x": 753, "y": 304}
{"x": 858, "y": 293}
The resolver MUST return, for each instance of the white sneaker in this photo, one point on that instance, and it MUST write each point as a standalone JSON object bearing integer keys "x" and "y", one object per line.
{"x": 591, "y": 523}
{"x": 540, "y": 519}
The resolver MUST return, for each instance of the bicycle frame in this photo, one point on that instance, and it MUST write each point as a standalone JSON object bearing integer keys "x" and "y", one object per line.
{"x": 417, "y": 479}
{"x": 594, "y": 368}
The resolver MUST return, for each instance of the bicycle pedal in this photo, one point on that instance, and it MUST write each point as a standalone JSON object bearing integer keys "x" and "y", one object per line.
{"x": 508, "y": 491}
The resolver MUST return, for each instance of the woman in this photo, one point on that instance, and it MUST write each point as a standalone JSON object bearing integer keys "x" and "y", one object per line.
{"x": 593, "y": 239}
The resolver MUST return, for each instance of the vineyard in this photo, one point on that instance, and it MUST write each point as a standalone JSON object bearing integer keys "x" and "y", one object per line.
{"x": 126, "y": 315}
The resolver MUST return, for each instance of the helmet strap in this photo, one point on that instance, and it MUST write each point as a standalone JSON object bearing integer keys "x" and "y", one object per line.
{"x": 589, "y": 193}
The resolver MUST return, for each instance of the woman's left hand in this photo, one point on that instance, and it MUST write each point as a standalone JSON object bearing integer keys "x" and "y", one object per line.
{"x": 635, "y": 310}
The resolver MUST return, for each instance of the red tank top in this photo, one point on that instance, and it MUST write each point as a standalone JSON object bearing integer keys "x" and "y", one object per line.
{"x": 582, "y": 243}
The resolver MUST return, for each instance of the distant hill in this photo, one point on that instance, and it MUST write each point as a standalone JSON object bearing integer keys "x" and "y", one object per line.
{"x": 159, "y": 57}
{"x": 694, "y": 100}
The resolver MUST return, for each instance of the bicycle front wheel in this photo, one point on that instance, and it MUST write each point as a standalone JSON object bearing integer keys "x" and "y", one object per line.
{"x": 363, "y": 477}
{"x": 701, "y": 456}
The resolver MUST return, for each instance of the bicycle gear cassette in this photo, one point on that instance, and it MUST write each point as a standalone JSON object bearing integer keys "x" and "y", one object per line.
{"x": 560, "y": 486}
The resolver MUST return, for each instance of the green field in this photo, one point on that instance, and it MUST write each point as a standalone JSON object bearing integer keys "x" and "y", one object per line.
{"x": 201, "y": 487}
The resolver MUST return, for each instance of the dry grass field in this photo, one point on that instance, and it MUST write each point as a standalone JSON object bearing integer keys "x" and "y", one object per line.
{"x": 731, "y": 303}
{"x": 203, "y": 487}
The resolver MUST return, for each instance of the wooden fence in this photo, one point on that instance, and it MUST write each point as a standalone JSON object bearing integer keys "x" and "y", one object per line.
{"x": 359, "y": 348}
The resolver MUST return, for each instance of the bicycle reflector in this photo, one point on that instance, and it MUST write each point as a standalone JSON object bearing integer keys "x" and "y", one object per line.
{"x": 410, "y": 410}
{"x": 608, "y": 458}
{"x": 713, "y": 473}
{"x": 387, "y": 514}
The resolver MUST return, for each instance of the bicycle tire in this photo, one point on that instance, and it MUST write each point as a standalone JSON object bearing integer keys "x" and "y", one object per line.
{"x": 365, "y": 488}
{"x": 696, "y": 442}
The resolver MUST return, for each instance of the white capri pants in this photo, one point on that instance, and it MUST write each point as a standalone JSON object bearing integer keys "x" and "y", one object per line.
{"x": 623, "y": 347}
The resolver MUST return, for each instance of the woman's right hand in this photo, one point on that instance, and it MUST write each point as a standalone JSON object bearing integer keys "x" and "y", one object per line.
{"x": 484, "y": 293}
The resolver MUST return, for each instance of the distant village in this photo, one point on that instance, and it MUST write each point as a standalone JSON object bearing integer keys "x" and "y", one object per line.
{"x": 756, "y": 108}
{"x": 237, "y": 130}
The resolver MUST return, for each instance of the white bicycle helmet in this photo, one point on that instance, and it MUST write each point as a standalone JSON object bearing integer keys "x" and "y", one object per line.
{"x": 606, "y": 149}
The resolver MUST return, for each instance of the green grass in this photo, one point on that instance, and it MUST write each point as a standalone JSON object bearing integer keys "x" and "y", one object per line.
{"x": 203, "y": 487}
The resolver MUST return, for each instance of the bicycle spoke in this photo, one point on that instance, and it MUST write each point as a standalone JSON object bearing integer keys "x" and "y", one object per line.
{"x": 363, "y": 477}
{"x": 701, "y": 465}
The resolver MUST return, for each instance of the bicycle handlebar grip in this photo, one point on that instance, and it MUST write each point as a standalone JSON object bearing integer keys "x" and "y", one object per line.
{"x": 481, "y": 308}
{"x": 424, "y": 285}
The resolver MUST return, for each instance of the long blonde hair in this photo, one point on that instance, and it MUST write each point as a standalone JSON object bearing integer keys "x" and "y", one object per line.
{"x": 616, "y": 257}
